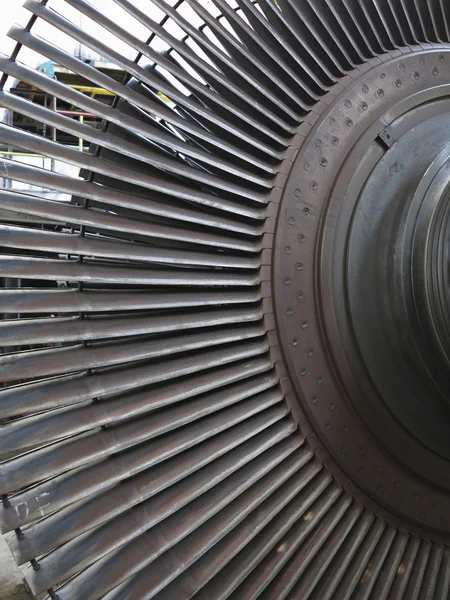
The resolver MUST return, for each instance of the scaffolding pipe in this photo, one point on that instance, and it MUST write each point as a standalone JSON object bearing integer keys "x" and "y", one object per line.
{"x": 80, "y": 141}
{"x": 54, "y": 107}
{"x": 94, "y": 91}
{"x": 75, "y": 113}
{"x": 7, "y": 153}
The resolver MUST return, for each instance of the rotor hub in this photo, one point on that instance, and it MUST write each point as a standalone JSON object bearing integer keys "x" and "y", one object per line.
{"x": 225, "y": 320}
{"x": 364, "y": 302}
{"x": 430, "y": 265}
{"x": 397, "y": 282}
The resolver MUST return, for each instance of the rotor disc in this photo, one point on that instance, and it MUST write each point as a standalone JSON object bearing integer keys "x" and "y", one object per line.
{"x": 224, "y": 344}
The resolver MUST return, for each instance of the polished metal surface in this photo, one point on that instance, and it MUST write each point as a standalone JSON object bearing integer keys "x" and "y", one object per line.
{"x": 225, "y": 339}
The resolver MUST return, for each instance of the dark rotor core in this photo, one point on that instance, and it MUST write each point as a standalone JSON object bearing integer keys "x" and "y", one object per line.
{"x": 363, "y": 305}
{"x": 397, "y": 278}
{"x": 430, "y": 265}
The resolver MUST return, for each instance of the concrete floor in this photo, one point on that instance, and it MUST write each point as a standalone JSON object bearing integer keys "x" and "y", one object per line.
{"x": 12, "y": 583}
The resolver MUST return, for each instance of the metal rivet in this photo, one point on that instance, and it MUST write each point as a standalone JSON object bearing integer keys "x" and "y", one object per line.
{"x": 435, "y": 71}
{"x": 304, "y": 324}
{"x": 291, "y": 221}
{"x": 348, "y": 122}
{"x": 289, "y": 312}
{"x": 327, "y": 426}
{"x": 299, "y": 266}
{"x": 364, "y": 106}
{"x": 306, "y": 211}
{"x": 332, "y": 121}
{"x": 323, "y": 161}
{"x": 301, "y": 238}
{"x": 335, "y": 141}
{"x": 365, "y": 88}
{"x": 416, "y": 75}
{"x": 313, "y": 185}
{"x": 303, "y": 372}
{"x": 348, "y": 104}
{"x": 398, "y": 83}
{"x": 319, "y": 379}
{"x": 286, "y": 281}
{"x": 297, "y": 193}
{"x": 310, "y": 353}
{"x": 380, "y": 94}
{"x": 313, "y": 399}
{"x": 331, "y": 405}
{"x": 294, "y": 341}
{"x": 382, "y": 75}
{"x": 319, "y": 143}
{"x": 36, "y": 566}
{"x": 401, "y": 66}
{"x": 441, "y": 58}
{"x": 307, "y": 166}
{"x": 300, "y": 295}
{"x": 287, "y": 250}
{"x": 421, "y": 60}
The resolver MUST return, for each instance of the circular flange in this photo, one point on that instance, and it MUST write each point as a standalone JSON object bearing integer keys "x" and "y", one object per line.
{"x": 349, "y": 415}
{"x": 430, "y": 266}
{"x": 380, "y": 242}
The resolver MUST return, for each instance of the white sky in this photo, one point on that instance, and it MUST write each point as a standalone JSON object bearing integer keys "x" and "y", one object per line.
{"x": 12, "y": 12}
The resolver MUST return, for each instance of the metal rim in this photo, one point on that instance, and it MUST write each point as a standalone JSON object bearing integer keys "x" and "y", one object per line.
{"x": 164, "y": 440}
{"x": 314, "y": 332}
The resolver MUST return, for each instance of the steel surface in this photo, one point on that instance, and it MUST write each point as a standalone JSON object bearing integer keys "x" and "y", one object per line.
{"x": 225, "y": 344}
